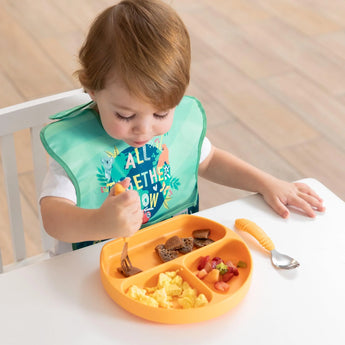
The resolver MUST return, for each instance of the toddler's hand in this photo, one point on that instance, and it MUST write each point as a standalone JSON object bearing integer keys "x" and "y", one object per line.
{"x": 279, "y": 194}
{"x": 121, "y": 215}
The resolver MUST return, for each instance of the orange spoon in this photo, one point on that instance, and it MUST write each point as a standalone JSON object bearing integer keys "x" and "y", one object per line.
{"x": 279, "y": 260}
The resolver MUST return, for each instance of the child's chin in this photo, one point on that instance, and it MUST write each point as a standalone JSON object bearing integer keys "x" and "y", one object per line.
{"x": 139, "y": 143}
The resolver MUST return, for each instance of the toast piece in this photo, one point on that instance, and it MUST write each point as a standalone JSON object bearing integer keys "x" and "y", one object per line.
{"x": 187, "y": 245}
{"x": 201, "y": 233}
{"x": 173, "y": 243}
{"x": 202, "y": 242}
{"x": 166, "y": 254}
{"x": 131, "y": 272}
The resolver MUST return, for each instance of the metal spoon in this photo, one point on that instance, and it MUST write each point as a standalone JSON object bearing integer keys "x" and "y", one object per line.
{"x": 278, "y": 260}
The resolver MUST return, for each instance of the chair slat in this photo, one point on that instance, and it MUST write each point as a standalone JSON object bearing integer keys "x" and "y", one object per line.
{"x": 40, "y": 168}
{"x": 13, "y": 195}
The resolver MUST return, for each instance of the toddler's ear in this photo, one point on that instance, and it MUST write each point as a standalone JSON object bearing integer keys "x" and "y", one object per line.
{"x": 91, "y": 93}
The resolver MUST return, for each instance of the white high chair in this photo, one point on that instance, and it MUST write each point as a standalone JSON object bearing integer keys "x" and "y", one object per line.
{"x": 34, "y": 115}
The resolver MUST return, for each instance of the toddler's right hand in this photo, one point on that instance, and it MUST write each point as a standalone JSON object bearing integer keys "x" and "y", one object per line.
{"x": 120, "y": 215}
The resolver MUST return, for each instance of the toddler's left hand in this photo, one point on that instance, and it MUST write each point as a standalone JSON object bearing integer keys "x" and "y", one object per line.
{"x": 279, "y": 194}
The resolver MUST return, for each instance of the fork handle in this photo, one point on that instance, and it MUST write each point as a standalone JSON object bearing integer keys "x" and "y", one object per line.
{"x": 254, "y": 230}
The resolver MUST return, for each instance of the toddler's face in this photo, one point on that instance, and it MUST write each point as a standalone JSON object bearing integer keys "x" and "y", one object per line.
{"x": 127, "y": 118}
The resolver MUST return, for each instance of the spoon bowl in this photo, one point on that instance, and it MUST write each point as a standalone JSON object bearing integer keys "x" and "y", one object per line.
{"x": 283, "y": 261}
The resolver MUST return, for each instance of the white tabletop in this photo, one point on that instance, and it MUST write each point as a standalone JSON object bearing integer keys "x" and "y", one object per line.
{"x": 62, "y": 300}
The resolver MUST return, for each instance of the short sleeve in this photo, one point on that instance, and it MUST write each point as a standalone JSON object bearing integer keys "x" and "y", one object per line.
{"x": 57, "y": 183}
{"x": 205, "y": 149}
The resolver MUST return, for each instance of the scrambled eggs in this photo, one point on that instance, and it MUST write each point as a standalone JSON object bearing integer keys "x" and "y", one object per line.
{"x": 170, "y": 292}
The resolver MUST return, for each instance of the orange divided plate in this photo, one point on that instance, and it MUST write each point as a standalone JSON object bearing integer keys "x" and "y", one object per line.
{"x": 141, "y": 251}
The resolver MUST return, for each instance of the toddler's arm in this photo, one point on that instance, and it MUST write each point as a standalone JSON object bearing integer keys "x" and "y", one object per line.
{"x": 119, "y": 215}
{"x": 226, "y": 169}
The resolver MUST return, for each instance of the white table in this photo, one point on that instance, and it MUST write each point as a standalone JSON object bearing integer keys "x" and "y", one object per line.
{"x": 62, "y": 301}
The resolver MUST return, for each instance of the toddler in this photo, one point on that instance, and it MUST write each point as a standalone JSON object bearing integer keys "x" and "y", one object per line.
{"x": 140, "y": 130}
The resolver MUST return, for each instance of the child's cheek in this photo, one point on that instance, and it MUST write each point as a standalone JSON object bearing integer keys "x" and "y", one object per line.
{"x": 118, "y": 131}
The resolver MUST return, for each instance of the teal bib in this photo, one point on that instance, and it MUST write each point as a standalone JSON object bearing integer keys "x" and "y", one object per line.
{"x": 164, "y": 171}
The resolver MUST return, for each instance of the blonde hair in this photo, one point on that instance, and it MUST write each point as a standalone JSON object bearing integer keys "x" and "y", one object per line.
{"x": 148, "y": 47}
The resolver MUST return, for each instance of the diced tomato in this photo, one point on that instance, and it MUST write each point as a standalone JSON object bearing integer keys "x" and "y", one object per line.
{"x": 221, "y": 286}
{"x": 227, "y": 276}
{"x": 202, "y": 262}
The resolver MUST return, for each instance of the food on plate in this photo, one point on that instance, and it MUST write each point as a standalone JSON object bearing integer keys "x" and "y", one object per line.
{"x": 241, "y": 264}
{"x": 170, "y": 292}
{"x": 127, "y": 269}
{"x": 212, "y": 276}
{"x": 201, "y": 233}
{"x": 187, "y": 245}
{"x": 166, "y": 254}
{"x": 218, "y": 272}
{"x": 201, "y": 237}
{"x": 174, "y": 245}
{"x": 221, "y": 286}
{"x": 202, "y": 242}
{"x": 222, "y": 268}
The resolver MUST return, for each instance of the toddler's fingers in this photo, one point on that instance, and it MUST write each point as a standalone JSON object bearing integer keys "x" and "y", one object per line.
{"x": 279, "y": 207}
{"x": 303, "y": 205}
{"x": 130, "y": 200}
{"x": 302, "y": 187}
{"x": 313, "y": 202}
{"x": 125, "y": 183}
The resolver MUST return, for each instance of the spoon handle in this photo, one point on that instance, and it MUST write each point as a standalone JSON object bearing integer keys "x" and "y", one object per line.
{"x": 254, "y": 230}
{"x": 118, "y": 189}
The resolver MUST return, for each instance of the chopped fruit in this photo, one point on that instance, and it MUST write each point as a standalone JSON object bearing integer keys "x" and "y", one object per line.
{"x": 242, "y": 264}
{"x": 202, "y": 262}
{"x": 227, "y": 276}
{"x": 222, "y": 268}
{"x": 208, "y": 266}
{"x": 234, "y": 268}
{"x": 221, "y": 286}
{"x": 212, "y": 277}
{"x": 216, "y": 261}
{"x": 202, "y": 274}
{"x": 217, "y": 272}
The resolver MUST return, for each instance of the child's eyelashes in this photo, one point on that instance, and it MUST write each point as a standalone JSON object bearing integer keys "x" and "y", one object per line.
{"x": 129, "y": 117}
{"x": 123, "y": 117}
{"x": 161, "y": 116}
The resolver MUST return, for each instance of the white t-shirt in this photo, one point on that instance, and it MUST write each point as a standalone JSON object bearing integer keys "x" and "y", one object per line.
{"x": 57, "y": 183}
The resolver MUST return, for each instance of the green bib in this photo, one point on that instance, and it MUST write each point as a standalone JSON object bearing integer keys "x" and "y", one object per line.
{"x": 164, "y": 171}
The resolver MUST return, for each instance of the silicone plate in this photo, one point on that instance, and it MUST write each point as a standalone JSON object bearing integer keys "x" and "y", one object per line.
{"x": 141, "y": 251}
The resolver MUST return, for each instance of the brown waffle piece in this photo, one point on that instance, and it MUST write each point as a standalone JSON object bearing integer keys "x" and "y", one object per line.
{"x": 166, "y": 254}
{"x": 173, "y": 243}
{"x": 127, "y": 269}
{"x": 201, "y": 233}
{"x": 202, "y": 242}
{"x": 187, "y": 245}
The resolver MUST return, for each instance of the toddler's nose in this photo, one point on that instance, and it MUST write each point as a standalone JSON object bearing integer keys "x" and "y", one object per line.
{"x": 141, "y": 127}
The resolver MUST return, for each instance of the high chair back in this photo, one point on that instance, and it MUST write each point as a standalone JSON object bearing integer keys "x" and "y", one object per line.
{"x": 33, "y": 115}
